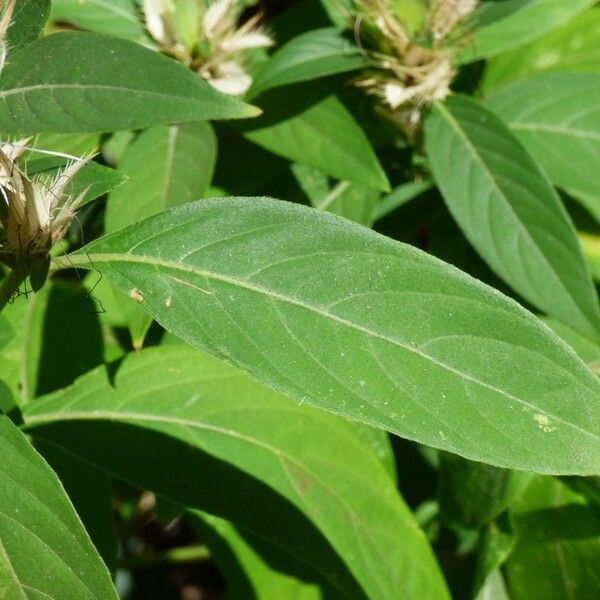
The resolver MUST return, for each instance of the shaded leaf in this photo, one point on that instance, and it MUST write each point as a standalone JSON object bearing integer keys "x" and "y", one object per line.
{"x": 44, "y": 550}
{"x": 303, "y": 125}
{"x": 248, "y": 564}
{"x": 558, "y": 545}
{"x": 471, "y": 494}
{"x": 172, "y": 413}
{"x": 90, "y": 491}
{"x": 311, "y": 55}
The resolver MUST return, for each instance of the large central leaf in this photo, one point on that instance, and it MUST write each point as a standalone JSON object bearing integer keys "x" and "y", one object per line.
{"x": 337, "y": 316}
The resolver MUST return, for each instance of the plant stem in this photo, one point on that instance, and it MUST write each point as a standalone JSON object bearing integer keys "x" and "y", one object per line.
{"x": 174, "y": 555}
{"x": 10, "y": 285}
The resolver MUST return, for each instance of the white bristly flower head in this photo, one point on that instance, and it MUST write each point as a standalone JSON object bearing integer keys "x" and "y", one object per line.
{"x": 34, "y": 214}
{"x": 206, "y": 37}
{"x": 412, "y": 58}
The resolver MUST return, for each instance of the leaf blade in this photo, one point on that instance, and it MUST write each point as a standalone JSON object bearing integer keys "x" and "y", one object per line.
{"x": 43, "y": 546}
{"x": 509, "y": 211}
{"x": 114, "y": 84}
{"x": 175, "y": 391}
{"x": 372, "y": 329}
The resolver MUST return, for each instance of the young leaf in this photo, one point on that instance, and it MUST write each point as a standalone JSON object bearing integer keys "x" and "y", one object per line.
{"x": 337, "y": 316}
{"x": 509, "y": 211}
{"x": 202, "y": 416}
{"x": 78, "y": 82}
{"x": 44, "y": 550}
{"x": 503, "y": 25}
{"x": 314, "y": 54}
{"x": 553, "y": 116}
{"x": 304, "y": 126}
{"x": 120, "y": 18}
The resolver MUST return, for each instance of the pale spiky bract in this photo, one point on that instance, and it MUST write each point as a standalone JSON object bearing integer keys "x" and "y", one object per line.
{"x": 207, "y": 38}
{"x": 34, "y": 214}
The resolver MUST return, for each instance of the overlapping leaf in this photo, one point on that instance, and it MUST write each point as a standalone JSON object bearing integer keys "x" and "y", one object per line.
{"x": 506, "y": 24}
{"x": 44, "y": 549}
{"x": 77, "y": 82}
{"x": 509, "y": 211}
{"x": 556, "y": 118}
{"x": 313, "y": 54}
{"x": 206, "y": 415}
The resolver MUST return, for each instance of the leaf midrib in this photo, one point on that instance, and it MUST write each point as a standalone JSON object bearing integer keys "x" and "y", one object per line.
{"x": 550, "y": 128}
{"x": 155, "y": 262}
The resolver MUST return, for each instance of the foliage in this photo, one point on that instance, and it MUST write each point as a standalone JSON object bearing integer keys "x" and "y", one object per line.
{"x": 381, "y": 384}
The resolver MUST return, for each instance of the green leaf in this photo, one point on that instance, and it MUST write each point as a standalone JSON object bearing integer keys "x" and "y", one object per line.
{"x": 93, "y": 180}
{"x": 44, "y": 549}
{"x": 558, "y": 545}
{"x": 304, "y": 126}
{"x": 58, "y": 338}
{"x": 311, "y": 55}
{"x": 471, "y": 494}
{"x": 6, "y": 332}
{"x": 120, "y": 18}
{"x": 166, "y": 166}
{"x": 28, "y": 22}
{"x": 554, "y": 117}
{"x": 509, "y": 211}
{"x": 506, "y": 24}
{"x": 351, "y": 201}
{"x": 172, "y": 413}
{"x": 337, "y": 316}
{"x": 400, "y": 196}
{"x": 496, "y": 544}
{"x": 574, "y": 46}
{"x": 78, "y": 82}
{"x": 248, "y": 563}
{"x": 90, "y": 491}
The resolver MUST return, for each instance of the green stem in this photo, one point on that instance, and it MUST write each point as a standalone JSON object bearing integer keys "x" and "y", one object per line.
{"x": 10, "y": 286}
{"x": 174, "y": 555}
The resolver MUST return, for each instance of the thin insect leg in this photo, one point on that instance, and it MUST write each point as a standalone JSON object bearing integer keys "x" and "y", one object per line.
{"x": 90, "y": 292}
